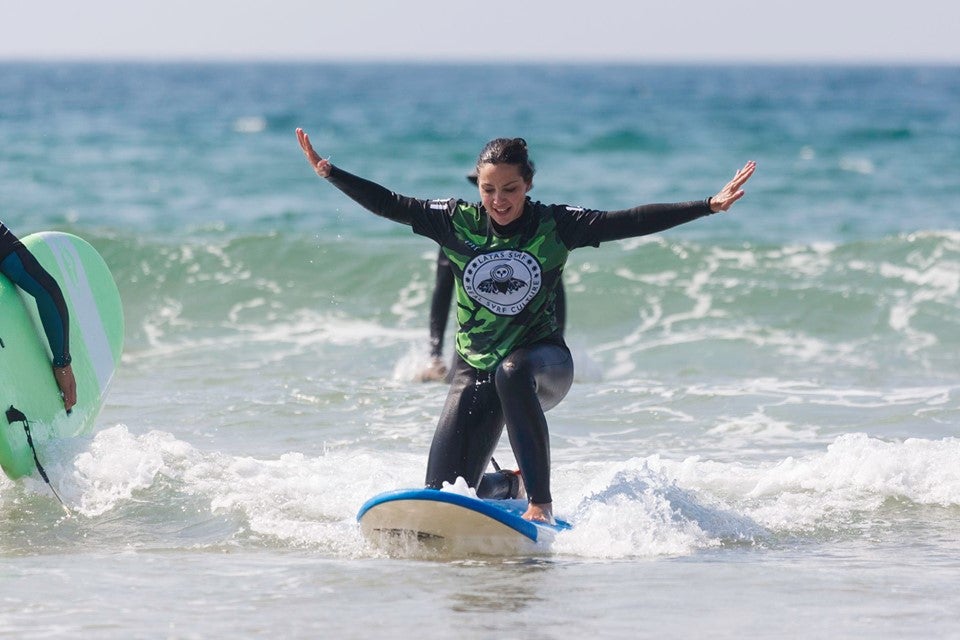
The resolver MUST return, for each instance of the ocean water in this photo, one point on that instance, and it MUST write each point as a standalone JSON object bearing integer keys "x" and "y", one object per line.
{"x": 761, "y": 439}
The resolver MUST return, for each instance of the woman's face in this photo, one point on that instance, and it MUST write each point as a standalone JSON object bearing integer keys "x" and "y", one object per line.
{"x": 503, "y": 191}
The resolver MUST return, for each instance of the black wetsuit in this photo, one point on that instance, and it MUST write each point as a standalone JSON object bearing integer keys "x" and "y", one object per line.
{"x": 512, "y": 363}
{"x": 18, "y": 264}
{"x": 492, "y": 484}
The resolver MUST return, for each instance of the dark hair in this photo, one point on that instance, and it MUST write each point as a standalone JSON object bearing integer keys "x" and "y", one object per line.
{"x": 508, "y": 151}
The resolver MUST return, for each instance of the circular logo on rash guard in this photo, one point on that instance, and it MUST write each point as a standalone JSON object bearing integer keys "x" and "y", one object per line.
{"x": 503, "y": 281}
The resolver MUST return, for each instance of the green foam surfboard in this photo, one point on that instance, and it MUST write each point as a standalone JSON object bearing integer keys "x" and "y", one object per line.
{"x": 26, "y": 375}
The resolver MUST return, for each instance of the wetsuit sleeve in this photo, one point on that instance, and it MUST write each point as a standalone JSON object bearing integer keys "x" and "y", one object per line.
{"x": 581, "y": 227}
{"x": 24, "y": 271}
{"x": 379, "y": 200}
{"x": 8, "y": 241}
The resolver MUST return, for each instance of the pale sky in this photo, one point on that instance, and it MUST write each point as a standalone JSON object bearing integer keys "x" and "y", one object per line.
{"x": 877, "y": 31}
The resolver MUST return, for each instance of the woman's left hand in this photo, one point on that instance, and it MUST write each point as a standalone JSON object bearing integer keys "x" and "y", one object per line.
{"x": 732, "y": 191}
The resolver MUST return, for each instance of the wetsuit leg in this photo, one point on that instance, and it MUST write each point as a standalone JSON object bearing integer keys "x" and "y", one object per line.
{"x": 440, "y": 304}
{"x": 529, "y": 381}
{"x": 469, "y": 428}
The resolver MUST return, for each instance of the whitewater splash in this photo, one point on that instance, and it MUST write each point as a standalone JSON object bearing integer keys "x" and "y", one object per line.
{"x": 635, "y": 508}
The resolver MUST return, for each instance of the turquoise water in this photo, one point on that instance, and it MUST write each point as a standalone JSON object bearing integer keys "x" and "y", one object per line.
{"x": 761, "y": 437}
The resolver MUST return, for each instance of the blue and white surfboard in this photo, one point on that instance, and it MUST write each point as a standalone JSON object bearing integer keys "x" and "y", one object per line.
{"x": 455, "y": 522}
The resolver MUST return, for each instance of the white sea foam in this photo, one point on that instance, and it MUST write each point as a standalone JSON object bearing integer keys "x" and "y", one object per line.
{"x": 292, "y": 500}
{"x": 304, "y": 329}
{"x": 459, "y": 487}
{"x": 250, "y": 124}
{"x": 629, "y": 510}
{"x": 856, "y": 474}
{"x": 857, "y": 164}
{"x": 638, "y": 507}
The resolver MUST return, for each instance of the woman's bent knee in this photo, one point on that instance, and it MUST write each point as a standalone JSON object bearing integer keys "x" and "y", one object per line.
{"x": 546, "y": 370}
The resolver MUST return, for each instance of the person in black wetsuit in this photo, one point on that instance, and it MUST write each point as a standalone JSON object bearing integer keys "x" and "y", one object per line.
{"x": 19, "y": 265}
{"x": 508, "y": 254}
{"x": 439, "y": 311}
{"x": 436, "y": 369}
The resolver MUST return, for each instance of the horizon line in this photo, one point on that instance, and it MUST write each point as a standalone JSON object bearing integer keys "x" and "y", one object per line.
{"x": 454, "y": 61}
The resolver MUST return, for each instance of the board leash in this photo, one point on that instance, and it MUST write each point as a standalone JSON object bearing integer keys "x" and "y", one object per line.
{"x": 15, "y": 415}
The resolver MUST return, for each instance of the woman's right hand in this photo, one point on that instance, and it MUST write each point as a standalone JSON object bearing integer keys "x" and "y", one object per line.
{"x": 320, "y": 165}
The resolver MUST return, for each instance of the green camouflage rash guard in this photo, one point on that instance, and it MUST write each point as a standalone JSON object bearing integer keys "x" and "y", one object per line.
{"x": 506, "y": 279}
{"x": 505, "y": 285}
